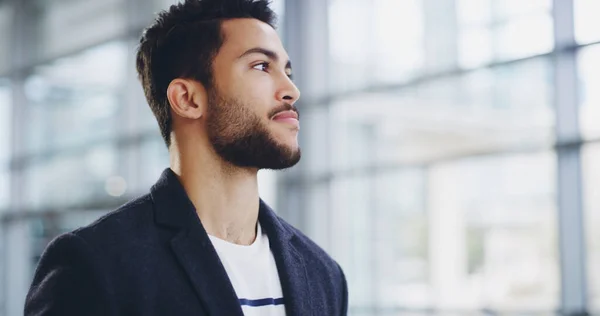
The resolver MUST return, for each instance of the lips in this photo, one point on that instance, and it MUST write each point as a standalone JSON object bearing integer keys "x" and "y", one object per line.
{"x": 285, "y": 115}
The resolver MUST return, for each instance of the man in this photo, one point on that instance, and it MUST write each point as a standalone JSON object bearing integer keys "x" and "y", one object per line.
{"x": 202, "y": 242}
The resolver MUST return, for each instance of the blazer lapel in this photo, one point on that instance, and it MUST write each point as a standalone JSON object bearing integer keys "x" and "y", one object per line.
{"x": 290, "y": 264}
{"x": 207, "y": 274}
{"x": 192, "y": 247}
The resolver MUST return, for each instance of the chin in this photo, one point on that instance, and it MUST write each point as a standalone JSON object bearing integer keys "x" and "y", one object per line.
{"x": 288, "y": 155}
{"x": 287, "y": 160}
{"x": 289, "y": 140}
{"x": 292, "y": 145}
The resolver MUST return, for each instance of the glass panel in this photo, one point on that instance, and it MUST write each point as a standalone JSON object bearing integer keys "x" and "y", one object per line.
{"x": 509, "y": 9}
{"x": 587, "y": 25}
{"x": 6, "y": 22}
{"x": 503, "y": 30}
{"x": 352, "y": 237}
{"x": 5, "y": 122}
{"x": 400, "y": 240}
{"x": 588, "y": 60}
{"x": 489, "y": 110}
{"x": 267, "y": 186}
{"x": 155, "y": 158}
{"x": 5, "y": 144}
{"x": 591, "y": 181}
{"x": 474, "y": 12}
{"x": 374, "y": 41}
{"x": 493, "y": 234}
{"x": 475, "y": 47}
{"x": 69, "y": 106}
{"x": 64, "y": 26}
{"x": 483, "y": 13}
{"x": 317, "y": 213}
{"x": 18, "y": 268}
{"x": 4, "y": 191}
{"x": 145, "y": 119}
{"x": 3, "y": 270}
{"x": 316, "y": 128}
{"x": 70, "y": 179}
{"x": 349, "y": 42}
{"x": 398, "y": 32}
{"x": 461, "y": 235}
{"x": 527, "y": 36}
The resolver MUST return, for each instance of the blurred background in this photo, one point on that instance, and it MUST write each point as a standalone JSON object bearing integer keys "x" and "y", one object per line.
{"x": 451, "y": 147}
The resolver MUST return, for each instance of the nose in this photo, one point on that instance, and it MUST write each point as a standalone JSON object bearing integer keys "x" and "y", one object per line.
{"x": 287, "y": 92}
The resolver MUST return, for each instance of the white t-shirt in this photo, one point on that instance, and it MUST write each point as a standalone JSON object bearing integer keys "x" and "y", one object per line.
{"x": 253, "y": 274}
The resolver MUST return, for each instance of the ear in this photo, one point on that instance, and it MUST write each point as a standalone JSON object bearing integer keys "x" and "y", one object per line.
{"x": 187, "y": 97}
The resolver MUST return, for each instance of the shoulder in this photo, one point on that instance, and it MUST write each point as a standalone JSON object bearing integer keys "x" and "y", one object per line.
{"x": 112, "y": 232}
{"x": 127, "y": 220}
{"x": 104, "y": 244}
{"x": 68, "y": 280}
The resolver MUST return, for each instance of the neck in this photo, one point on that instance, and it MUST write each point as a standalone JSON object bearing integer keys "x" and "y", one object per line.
{"x": 225, "y": 196}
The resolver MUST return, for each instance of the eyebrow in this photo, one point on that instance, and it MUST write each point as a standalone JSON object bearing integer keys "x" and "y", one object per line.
{"x": 269, "y": 53}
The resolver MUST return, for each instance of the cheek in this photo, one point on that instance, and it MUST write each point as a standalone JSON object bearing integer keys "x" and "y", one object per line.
{"x": 260, "y": 96}
{"x": 254, "y": 89}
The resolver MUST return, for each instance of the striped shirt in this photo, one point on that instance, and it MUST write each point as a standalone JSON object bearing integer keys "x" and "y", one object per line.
{"x": 253, "y": 274}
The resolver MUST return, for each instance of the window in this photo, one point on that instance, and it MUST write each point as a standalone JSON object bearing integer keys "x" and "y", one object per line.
{"x": 155, "y": 160}
{"x": 64, "y": 26}
{"x": 588, "y": 62}
{"x": 5, "y": 122}
{"x": 591, "y": 176}
{"x": 6, "y": 21}
{"x": 493, "y": 234}
{"x": 5, "y": 143}
{"x": 488, "y": 110}
{"x": 400, "y": 239}
{"x": 499, "y": 30}
{"x": 76, "y": 99}
{"x": 377, "y": 41}
{"x": 589, "y": 78}
{"x": 463, "y": 234}
{"x": 351, "y": 206}
{"x": 4, "y": 189}
{"x": 72, "y": 178}
{"x": 74, "y": 115}
{"x": 398, "y": 29}
{"x": 587, "y": 26}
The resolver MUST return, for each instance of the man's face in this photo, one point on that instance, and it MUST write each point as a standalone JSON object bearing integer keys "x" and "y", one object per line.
{"x": 252, "y": 121}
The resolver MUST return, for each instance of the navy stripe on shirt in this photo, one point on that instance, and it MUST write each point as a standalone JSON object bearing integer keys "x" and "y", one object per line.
{"x": 261, "y": 302}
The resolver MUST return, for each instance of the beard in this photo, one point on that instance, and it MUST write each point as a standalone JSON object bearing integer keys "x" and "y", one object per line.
{"x": 240, "y": 138}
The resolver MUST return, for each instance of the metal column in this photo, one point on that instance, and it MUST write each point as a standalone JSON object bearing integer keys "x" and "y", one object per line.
{"x": 569, "y": 182}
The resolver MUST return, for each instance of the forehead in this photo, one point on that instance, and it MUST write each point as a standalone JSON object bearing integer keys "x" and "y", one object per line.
{"x": 244, "y": 34}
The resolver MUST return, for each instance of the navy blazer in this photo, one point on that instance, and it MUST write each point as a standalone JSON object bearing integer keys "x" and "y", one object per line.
{"x": 152, "y": 256}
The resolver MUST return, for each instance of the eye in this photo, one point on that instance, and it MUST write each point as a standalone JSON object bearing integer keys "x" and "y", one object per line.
{"x": 264, "y": 66}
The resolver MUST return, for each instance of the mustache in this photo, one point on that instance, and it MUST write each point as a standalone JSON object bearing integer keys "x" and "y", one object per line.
{"x": 284, "y": 107}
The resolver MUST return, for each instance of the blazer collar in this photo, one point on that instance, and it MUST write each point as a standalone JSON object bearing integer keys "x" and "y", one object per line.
{"x": 192, "y": 247}
{"x": 199, "y": 259}
{"x": 173, "y": 207}
{"x": 290, "y": 263}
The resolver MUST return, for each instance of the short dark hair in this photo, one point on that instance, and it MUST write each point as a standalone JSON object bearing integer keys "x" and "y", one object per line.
{"x": 182, "y": 43}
